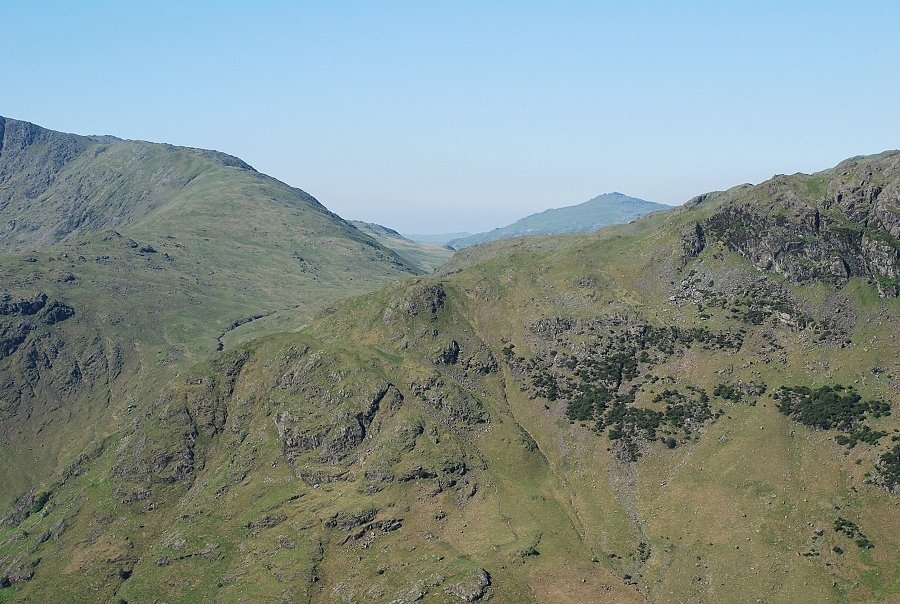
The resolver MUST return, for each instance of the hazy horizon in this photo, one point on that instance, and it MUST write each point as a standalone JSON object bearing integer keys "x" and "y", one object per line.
{"x": 432, "y": 119}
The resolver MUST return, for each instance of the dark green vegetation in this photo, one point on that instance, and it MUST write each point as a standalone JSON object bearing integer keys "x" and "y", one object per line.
{"x": 583, "y": 418}
{"x": 834, "y": 407}
{"x": 851, "y": 530}
{"x": 603, "y": 210}
{"x": 601, "y": 376}
{"x": 887, "y": 470}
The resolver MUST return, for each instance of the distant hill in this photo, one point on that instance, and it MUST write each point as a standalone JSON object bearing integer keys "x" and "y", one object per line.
{"x": 603, "y": 210}
{"x": 437, "y": 238}
{"x": 423, "y": 256}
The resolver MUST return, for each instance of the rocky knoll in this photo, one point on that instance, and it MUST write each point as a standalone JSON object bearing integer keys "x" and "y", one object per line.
{"x": 830, "y": 226}
{"x": 15, "y": 329}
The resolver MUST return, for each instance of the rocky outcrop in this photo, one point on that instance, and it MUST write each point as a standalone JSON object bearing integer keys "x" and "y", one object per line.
{"x": 424, "y": 299}
{"x": 693, "y": 241}
{"x": 340, "y": 435}
{"x": 186, "y": 423}
{"x": 348, "y": 434}
{"x": 457, "y": 407}
{"x": 449, "y": 354}
{"x": 19, "y": 573}
{"x": 12, "y": 335}
{"x": 22, "y": 306}
{"x": 292, "y": 437}
{"x": 472, "y": 588}
{"x": 482, "y": 362}
{"x": 20, "y": 509}
{"x": 54, "y": 311}
{"x": 54, "y": 532}
{"x": 851, "y": 230}
{"x": 347, "y": 520}
{"x": 57, "y": 311}
{"x": 551, "y": 327}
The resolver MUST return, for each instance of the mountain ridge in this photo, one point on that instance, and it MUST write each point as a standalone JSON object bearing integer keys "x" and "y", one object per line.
{"x": 675, "y": 409}
{"x": 44, "y": 167}
{"x": 602, "y": 210}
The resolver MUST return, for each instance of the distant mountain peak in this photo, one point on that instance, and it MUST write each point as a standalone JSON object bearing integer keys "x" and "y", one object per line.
{"x": 602, "y": 210}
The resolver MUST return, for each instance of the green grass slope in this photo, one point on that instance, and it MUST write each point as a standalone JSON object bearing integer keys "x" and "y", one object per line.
{"x": 203, "y": 246}
{"x": 436, "y": 238}
{"x": 654, "y": 412}
{"x": 424, "y": 256}
{"x": 601, "y": 211}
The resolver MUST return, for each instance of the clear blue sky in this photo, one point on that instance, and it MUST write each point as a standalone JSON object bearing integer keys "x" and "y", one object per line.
{"x": 432, "y": 117}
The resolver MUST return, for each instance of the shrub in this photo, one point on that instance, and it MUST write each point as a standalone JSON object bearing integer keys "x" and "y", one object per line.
{"x": 887, "y": 469}
{"x": 851, "y": 530}
{"x": 828, "y": 407}
{"x": 728, "y": 392}
{"x": 39, "y": 502}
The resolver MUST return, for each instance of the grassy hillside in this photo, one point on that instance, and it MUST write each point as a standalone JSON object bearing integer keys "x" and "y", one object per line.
{"x": 603, "y": 210}
{"x": 424, "y": 256}
{"x": 203, "y": 246}
{"x": 674, "y": 410}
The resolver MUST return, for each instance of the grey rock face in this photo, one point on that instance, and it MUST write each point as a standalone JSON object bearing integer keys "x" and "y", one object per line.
{"x": 449, "y": 354}
{"x": 56, "y": 312}
{"x": 852, "y": 230}
{"x": 341, "y": 435}
{"x": 20, "y": 509}
{"x": 431, "y": 301}
{"x": 12, "y": 335}
{"x": 473, "y": 588}
{"x": 22, "y": 306}
{"x": 693, "y": 241}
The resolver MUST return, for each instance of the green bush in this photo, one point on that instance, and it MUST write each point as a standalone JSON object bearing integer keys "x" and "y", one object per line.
{"x": 851, "y": 530}
{"x": 39, "y": 502}
{"x": 727, "y": 392}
